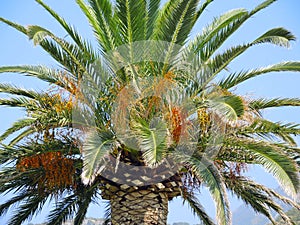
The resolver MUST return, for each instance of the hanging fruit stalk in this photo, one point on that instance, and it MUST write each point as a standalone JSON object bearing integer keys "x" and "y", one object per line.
{"x": 58, "y": 171}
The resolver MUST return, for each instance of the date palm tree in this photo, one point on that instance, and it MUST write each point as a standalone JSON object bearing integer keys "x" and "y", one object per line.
{"x": 147, "y": 115}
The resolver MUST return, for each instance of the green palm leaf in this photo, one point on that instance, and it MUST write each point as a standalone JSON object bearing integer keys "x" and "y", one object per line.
{"x": 84, "y": 200}
{"x": 15, "y": 102}
{"x": 277, "y": 36}
{"x": 83, "y": 45}
{"x": 211, "y": 176}
{"x": 151, "y": 139}
{"x": 261, "y": 6}
{"x": 275, "y": 162}
{"x": 221, "y": 61}
{"x": 202, "y": 8}
{"x": 131, "y": 16}
{"x": 17, "y": 126}
{"x": 63, "y": 211}
{"x": 221, "y": 29}
{"x": 237, "y": 78}
{"x": 152, "y": 15}
{"x": 14, "y": 25}
{"x": 197, "y": 208}
{"x": 4, "y": 207}
{"x": 94, "y": 79}
{"x": 58, "y": 49}
{"x": 52, "y": 76}
{"x": 23, "y": 135}
{"x": 101, "y": 18}
{"x": 176, "y": 28}
{"x": 74, "y": 204}
{"x": 39, "y": 34}
{"x": 263, "y": 128}
{"x": 250, "y": 195}
{"x": 228, "y": 107}
{"x": 33, "y": 205}
{"x": 10, "y": 89}
{"x": 263, "y": 103}
{"x": 258, "y": 196}
{"x": 214, "y": 29}
{"x": 96, "y": 147}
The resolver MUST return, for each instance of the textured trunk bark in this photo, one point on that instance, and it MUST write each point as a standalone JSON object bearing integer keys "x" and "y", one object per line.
{"x": 139, "y": 207}
{"x": 131, "y": 203}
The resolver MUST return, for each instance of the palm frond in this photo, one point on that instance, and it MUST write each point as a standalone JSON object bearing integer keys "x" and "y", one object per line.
{"x": 258, "y": 196}
{"x": 17, "y": 126}
{"x": 277, "y": 36}
{"x": 221, "y": 61}
{"x": 263, "y": 127}
{"x": 210, "y": 175}
{"x": 96, "y": 147}
{"x": 176, "y": 21}
{"x": 4, "y": 207}
{"x": 14, "y": 25}
{"x": 279, "y": 197}
{"x": 56, "y": 49}
{"x": 32, "y": 206}
{"x": 91, "y": 77}
{"x": 63, "y": 211}
{"x": 51, "y": 76}
{"x": 14, "y": 181}
{"x": 40, "y": 72}
{"x": 176, "y": 28}
{"x": 84, "y": 201}
{"x": 274, "y": 160}
{"x": 221, "y": 29}
{"x": 11, "y": 89}
{"x": 24, "y": 134}
{"x": 174, "y": 24}
{"x": 82, "y": 44}
{"x": 263, "y": 103}
{"x": 62, "y": 57}
{"x": 131, "y": 21}
{"x": 197, "y": 208}
{"x": 151, "y": 139}
{"x": 101, "y": 17}
{"x": 9, "y": 154}
{"x": 152, "y": 15}
{"x": 214, "y": 31}
{"x": 237, "y": 78}
{"x": 252, "y": 196}
{"x": 228, "y": 107}
{"x": 41, "y": 116}
{"x": 15, "y": 102}
{"x": 39, "y": 34}
{"x": 47, "y": 45}
{"x": 107, "y": 213}
{"x": 262, "y": 6}
{"x": 203, "y": 8}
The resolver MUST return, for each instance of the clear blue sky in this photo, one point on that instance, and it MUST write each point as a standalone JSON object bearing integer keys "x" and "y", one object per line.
{"x": 17, "y": 49}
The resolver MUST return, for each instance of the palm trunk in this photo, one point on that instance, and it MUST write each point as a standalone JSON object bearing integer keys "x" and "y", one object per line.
{"x": 140, "y": 207}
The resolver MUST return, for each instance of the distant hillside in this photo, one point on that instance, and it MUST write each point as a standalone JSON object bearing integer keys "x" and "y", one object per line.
{"x": 295, "y": 216}
{"x": 245, "y": 215}
{"x": 95, "y": 221}
{"x": 87, "y": 221}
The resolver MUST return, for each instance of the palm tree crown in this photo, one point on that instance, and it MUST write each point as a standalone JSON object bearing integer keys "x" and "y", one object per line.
{"x": 147, "y": 115}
